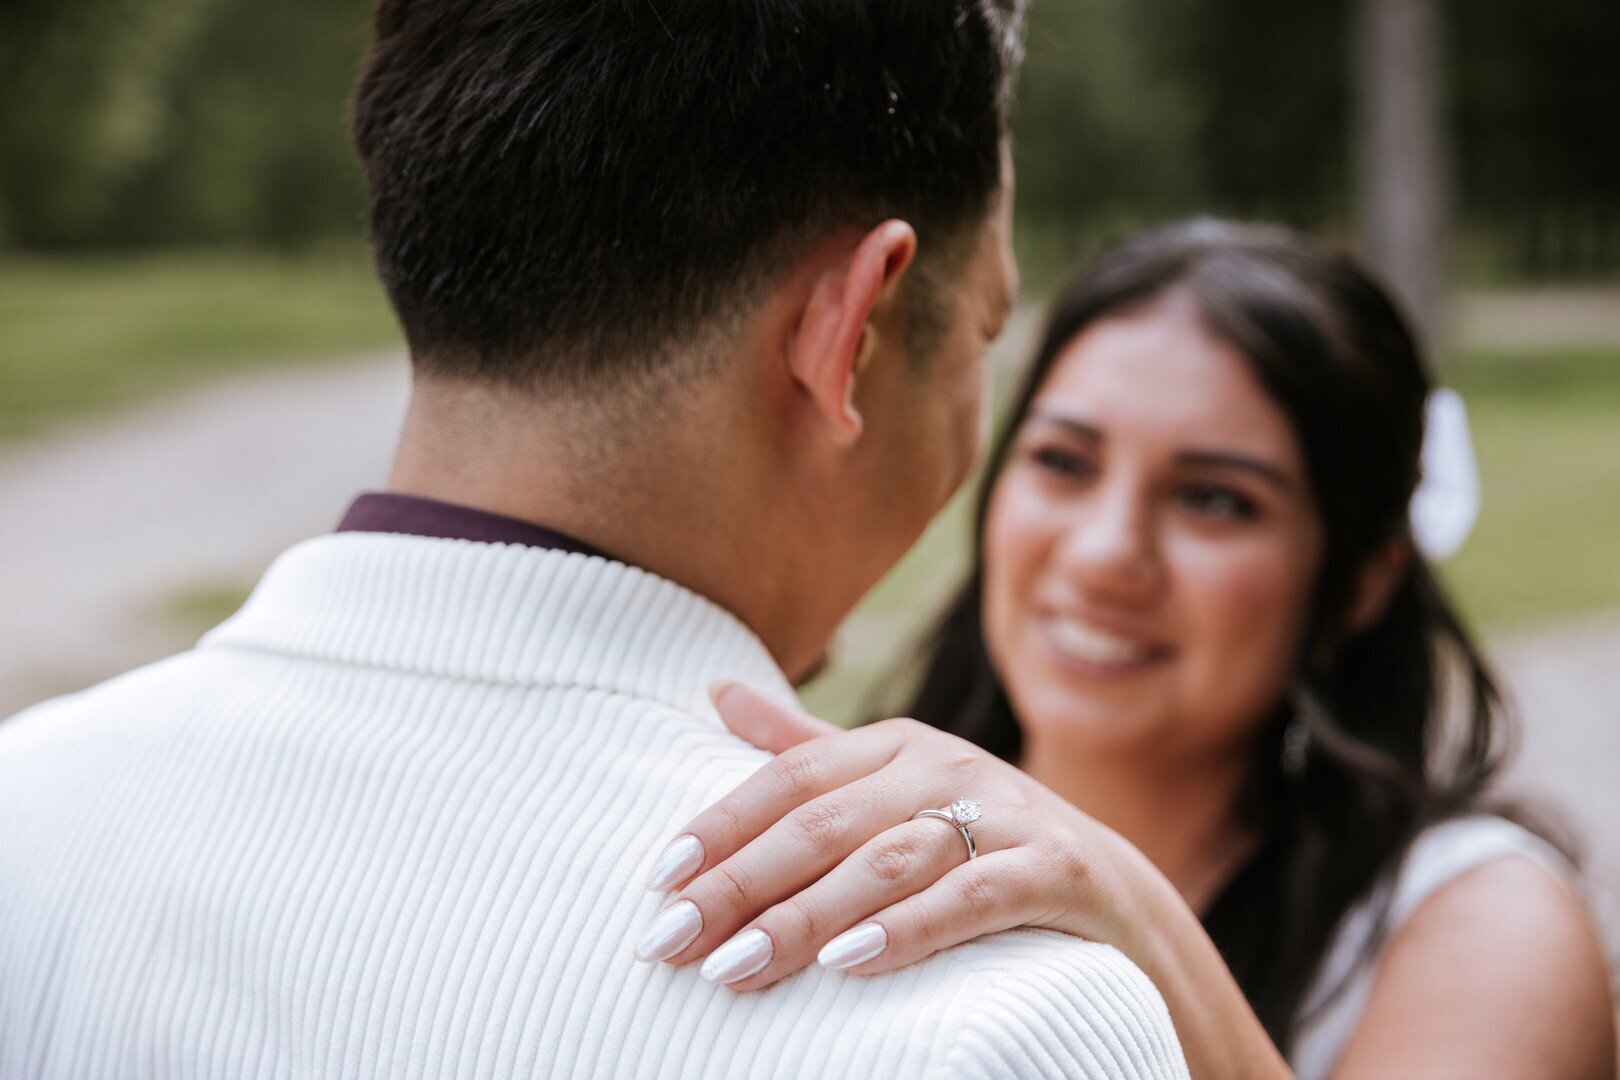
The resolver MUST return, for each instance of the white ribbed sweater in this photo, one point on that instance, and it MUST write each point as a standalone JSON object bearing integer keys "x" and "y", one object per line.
{"x": 392, "y": 820}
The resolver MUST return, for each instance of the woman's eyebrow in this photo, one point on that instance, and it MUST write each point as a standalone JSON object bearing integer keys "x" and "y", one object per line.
{"x": 1068, "y": 423}
{"x": 1220, "y": 459}
{"x": 1224, "y": 460}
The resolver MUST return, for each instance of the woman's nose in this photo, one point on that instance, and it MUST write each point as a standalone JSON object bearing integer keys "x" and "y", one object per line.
{"x": 1111, "y": 548}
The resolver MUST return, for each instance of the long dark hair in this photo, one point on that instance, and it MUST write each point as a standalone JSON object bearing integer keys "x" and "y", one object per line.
{"x": 1406, "y": 726}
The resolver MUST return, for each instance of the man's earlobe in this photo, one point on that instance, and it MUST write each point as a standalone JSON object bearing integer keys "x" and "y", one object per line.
{"x": 863, "y": 356}
{"x": 835, "y": 341}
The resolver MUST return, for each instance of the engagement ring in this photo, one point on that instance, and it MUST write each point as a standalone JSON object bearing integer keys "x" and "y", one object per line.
{"x": 960, "y": 814}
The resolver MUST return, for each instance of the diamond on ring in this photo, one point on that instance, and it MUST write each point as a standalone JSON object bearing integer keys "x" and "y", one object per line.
{"x": 959, "y": 815}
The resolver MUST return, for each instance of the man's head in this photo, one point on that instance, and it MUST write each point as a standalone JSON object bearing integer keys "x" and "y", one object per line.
{"x": 619, "y": 210}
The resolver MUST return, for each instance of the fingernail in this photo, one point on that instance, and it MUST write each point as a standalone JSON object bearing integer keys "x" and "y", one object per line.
{"x": 675, "y": 928}
{"x": 718, "y": 687}
{"x": 854, "y": 946}
{"x": 742, "y": 956}
{"x": 677, "y": 863}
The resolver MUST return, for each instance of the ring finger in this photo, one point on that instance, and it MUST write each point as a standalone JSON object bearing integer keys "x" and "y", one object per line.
{"x": 896, "y": 864}
{"x": 787, "y": 857}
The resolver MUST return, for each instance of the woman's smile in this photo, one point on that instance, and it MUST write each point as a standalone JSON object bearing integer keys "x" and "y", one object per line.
{"x": 1091, "y": 649}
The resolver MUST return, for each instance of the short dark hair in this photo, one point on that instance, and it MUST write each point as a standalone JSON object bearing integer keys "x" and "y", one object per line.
{"x": 564, "y": 191}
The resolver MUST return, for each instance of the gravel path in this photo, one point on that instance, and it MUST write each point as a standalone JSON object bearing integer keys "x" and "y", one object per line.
{"x": 105, "y": 526}
{"x": 1566, "y": 682}
{"x": 1537, "y": 320}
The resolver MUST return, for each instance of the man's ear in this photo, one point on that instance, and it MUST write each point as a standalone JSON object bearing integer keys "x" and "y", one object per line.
{"x": 834, "y": 337}
{"x": 1376, "y": 583}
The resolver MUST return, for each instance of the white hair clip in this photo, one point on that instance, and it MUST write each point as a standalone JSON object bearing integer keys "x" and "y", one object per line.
{"x": 1446, "y": 503}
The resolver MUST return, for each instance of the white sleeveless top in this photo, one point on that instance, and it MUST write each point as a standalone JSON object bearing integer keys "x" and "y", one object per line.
{"x": 1439, "y": 855}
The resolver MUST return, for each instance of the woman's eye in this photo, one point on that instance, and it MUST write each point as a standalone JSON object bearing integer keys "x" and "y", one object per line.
{"x": 1056, "y": 459}
{"x": 1218, "y": 502}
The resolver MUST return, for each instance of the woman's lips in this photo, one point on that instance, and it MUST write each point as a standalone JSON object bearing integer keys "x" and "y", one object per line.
{"x": 1083, "y": 644}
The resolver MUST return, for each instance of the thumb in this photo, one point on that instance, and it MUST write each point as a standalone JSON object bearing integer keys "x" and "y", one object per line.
{"x": 756, "y": 719}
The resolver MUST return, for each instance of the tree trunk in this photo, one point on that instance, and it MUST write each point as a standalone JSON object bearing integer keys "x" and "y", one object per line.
{"x": 1401, "y": 184}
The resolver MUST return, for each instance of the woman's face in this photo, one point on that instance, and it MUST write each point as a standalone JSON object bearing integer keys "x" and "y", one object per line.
{"x": 1151, "y": 545}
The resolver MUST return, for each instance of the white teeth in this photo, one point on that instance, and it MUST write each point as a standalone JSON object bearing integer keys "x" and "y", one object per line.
{"x": 1094, "y": 646}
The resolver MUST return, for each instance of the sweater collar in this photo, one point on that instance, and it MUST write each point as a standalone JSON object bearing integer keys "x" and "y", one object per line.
{"x": 499, "y": 613}
{"x": 414, "y": 515}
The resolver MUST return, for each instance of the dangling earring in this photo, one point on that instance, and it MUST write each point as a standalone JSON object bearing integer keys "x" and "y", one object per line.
{"x": 1296, "y": 739}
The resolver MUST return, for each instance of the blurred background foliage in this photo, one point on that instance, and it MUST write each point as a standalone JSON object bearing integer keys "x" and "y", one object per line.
{"x": 130, "y": 123}
{"x": 1133, "y": 111}
{"x": 178, "y": 201}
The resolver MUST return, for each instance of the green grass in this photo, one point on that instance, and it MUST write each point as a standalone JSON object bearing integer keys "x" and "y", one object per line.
{"x": 1547, "y": 431}
{"x": 201, "y": 606}
{"x": 85, "y": 335}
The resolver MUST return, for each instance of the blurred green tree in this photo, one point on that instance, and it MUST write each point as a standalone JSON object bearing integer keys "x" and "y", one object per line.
{"x": 1538, "y": 131}
{"x": 222, "y": 121}
{"x": 1136, "y": 111}
{"x": 1104, "y": 120}
{"x": 1132, "y": 111}
{"x": 259, "y": 151}
{"x": 82, "y": 94}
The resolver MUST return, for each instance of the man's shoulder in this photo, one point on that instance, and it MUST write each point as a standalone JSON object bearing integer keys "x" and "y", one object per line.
{"x": 100, "y": 723}
{"x": 53, "y": 722}
{"x": 1018, "y": 1005}
{"x": 1038, "y": 966}
{"x": 1035, "y": 1002}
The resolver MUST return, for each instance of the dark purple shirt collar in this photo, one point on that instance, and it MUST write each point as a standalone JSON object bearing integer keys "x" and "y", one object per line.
{"x": 412, "y": 515}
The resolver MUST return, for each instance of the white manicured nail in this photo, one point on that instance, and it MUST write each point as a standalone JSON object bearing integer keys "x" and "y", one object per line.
{"x": 742, "y": 956}
{"x": 675, "y": 928}
{"x": 854, "y": 946}
{"x": 683, "y": 856}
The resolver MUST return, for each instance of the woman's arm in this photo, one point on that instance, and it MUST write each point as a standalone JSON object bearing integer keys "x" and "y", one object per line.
{"x": 1500, "y": 973}
{"x": 819, "y": 841}
{"x": 1220, "y": 1033}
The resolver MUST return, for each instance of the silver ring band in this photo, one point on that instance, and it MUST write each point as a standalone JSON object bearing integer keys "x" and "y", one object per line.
{"x": 957, "y": 815}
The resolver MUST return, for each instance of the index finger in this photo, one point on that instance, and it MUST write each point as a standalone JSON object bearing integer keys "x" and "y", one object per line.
{"x": 782, "y": 784}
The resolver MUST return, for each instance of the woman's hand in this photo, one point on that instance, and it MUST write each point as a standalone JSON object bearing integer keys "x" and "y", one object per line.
{"x": 817, "y": 853}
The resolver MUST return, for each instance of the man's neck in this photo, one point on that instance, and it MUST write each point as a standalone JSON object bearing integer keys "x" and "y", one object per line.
{"x": 672, "y": 509}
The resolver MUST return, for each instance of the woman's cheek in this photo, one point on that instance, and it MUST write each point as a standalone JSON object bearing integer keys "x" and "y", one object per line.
{"x": 1018, "y": 529}
{"x": 1246, "y": 603}
{"x": 1020, "y": 532}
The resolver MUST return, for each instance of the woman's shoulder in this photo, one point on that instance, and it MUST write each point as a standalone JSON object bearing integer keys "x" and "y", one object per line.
{"x": 1496, "y": 966}
{"x": 1441, "y": 859}
{"x": 1448, "y": 850}
{"x": 1436, "y": 857}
